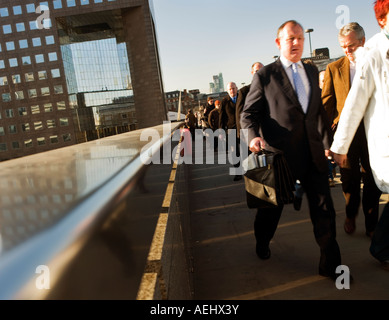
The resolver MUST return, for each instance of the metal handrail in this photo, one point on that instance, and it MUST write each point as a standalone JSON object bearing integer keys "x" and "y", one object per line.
{"x": 56, "y": 243}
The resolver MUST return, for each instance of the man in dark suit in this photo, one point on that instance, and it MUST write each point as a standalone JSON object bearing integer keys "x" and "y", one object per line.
{"x": 228, "y": 122}
{"x": 337, "y": 83}
{"x": 242, "y": 94}
{"x": 277, "y": 117}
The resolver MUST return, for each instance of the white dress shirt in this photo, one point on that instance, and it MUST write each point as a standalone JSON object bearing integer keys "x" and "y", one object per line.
{"x": 287, "y": 66}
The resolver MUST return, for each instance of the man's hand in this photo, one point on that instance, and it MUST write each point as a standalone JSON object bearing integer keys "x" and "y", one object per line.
{"x": 257, "y": 144}
{"x": 341, "y": 160}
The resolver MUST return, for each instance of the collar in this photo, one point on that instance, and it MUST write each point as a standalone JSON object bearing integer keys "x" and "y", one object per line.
{"x": 287, "y": 63}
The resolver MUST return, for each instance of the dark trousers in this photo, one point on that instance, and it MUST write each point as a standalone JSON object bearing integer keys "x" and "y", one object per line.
{"x": 322, "y": 214}
{"x": 379, "y": 247}
{"x": 359, "y": 170}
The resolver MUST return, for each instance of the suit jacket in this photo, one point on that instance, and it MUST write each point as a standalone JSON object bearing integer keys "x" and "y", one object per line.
{"x": 239, "y": 106}
{"x": 227, "y": 111}
{"x": 213, "y": 119}
{"x": 335, "y": 89}
{"x": 272, "y": 111}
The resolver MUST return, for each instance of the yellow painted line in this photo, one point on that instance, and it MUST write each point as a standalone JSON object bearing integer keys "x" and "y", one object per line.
{"x": 149, "y": 280}
{"x": 155, "y": 253}
{"x": 147, "y": 286}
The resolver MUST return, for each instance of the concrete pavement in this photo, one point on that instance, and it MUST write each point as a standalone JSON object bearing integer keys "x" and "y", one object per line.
{"x": 223, "y": 247}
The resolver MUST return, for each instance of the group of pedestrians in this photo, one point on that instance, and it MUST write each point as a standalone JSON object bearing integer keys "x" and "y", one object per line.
{"x": 285, "y": 110}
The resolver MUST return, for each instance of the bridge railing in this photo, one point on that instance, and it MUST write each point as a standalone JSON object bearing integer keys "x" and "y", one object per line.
{"x": 83, "y": 222}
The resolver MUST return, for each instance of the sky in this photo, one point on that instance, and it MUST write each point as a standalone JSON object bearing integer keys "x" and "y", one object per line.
{"x": 201, "y": 38}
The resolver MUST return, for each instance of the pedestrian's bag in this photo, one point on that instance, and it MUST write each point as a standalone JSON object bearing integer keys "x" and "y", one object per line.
{"x": 268, "y": 180}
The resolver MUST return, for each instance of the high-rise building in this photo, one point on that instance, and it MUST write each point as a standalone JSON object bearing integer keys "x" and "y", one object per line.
{"x": 64, "y": 63}
{"x": 217, "y": 85}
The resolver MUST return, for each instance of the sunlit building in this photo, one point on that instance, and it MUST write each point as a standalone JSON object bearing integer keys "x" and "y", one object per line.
{"x": 66, "y": 64}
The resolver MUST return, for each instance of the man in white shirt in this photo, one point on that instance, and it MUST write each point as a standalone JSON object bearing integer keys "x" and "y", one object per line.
{"x": 368, "y": 100}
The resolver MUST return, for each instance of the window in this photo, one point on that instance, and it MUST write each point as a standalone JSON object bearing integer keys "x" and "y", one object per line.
{"x": 66, "y": 137}
{"x": 54, "y": 139}
{"x": 3, "y": 12}
{"x": 7, "y": 29}
{"x": 23, "y": 44}
{"x": 20, "y": 27}
{"x": 6, "y": 97}
{"x": 63, "y": 122}
{"x": 15, "y": 145}
{"x": 98, "y": 1}
{"x": 29, "y": 76}
{"x": 3, "y": 147}
{"x": 22, "y": 111}
{"x": 45, "y": 91}
{"x": 16, "y": 78}
{"x": 84, "y": 2}
{"x": 9, "y": 113}
{"x": 36, "y": 42}
{"x": 50, "y": 124}
{"x": 57, "y": 4}
{"x": 61, "y": 105}
{"x": 2, "y": 132}
{"x": 33, "y": 25}
{"x": 38, "y": 125}
{"x": 30, "y": 8}
{"x": 55, "y": 73}
{"x": 49, "y": 39}
{"x": 12, "y": 129}
{"x": 48, "y": 107}
{"x": 53, "y": 56}
{"x": 13, "y": 62}
{"x": 3, "y": 81}
{"x": 58, "y": 89}
{"x": 41, "y": 141}
{"x": 35, "y": 109}
{"x": 42, "y": 75}
{"x": 17, "y": 10}
{"x": 26, "y": 60}
{"x": 10, "y": 45}
{"x": 32, "y": 93}
{"x": 39, "y": 58}
{"x": 19, "y": 95}
{"x": 25, "y": 127}
{"x": 28, "y": 143}
{"x": 2, "y": 64}
{"x": 71, "y": 3}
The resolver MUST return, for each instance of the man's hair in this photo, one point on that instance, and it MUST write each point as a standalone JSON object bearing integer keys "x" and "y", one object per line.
{"x": 352, "y": 27}
{"x": 381, "y": 8}
{"x": 282, "y": 26}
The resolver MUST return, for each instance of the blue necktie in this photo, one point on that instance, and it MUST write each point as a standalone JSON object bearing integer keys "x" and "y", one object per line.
{"x": 299, "y": 87}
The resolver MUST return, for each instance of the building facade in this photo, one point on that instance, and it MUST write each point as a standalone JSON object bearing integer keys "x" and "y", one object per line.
{"x": 65, "y": 63}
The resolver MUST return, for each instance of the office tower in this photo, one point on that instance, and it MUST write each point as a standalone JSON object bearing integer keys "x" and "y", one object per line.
{"x": 65, "y": 63}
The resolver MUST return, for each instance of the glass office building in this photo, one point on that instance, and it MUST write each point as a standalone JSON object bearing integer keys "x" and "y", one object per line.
{"x": 70, "y": 69}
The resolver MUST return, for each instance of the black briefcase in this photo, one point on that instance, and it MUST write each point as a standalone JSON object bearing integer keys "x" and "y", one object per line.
{"x": 268, "y": 180}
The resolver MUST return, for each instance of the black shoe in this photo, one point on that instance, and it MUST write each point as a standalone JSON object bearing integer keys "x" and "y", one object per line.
{"x": 297, "y": 203}
{"x": 237, "y": 178}
{"x": 263, "y": 253}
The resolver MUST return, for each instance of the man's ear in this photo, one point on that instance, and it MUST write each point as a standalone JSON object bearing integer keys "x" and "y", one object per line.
{"x": 278, "y": 43}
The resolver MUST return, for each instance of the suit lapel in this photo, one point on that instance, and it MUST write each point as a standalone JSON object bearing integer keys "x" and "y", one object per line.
{"x": 344, "y": 71}
{"x": 283, "y": 80}
{"x": 311, "y": 84}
